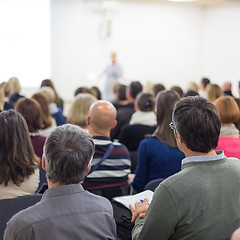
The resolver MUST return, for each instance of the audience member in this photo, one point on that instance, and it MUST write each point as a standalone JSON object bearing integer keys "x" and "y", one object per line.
{"x": 66, "y": 211}
{"x": 5, "y": 94}
{"x": 83, "y": 90}
{"x": 192, "y": 86}
{"x": 55, "y": 112}
{"x": 31, "y": 112}
{"x": 190, "y": 93}
{"x": 229, "y": 140}
{"x": 143, "y": 122}
{"x": 227, "y": 89}
{"x": 158, "y": 88}
{"x": 15, "y": 89}
{"x": 202, "y": 200}
{"x": 57, "y": 100}
{"x": 80, "y": 108}
{"x": 121, "y": 99}
{"x": 124, "y": 113}
{"x": 178, "y": 90}
{"x": 158, "y": 156}
{"x": 203, "y": 87}
{"x": 214, "y": 92}
{"x": 19, "y": 174}
{"x": 49, "y": 122}
{"x": 96, "y": 92}
{"x": 110, "y": 177}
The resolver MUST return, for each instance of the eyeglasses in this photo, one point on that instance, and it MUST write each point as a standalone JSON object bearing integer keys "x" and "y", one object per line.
{"x": 172, "y": 126}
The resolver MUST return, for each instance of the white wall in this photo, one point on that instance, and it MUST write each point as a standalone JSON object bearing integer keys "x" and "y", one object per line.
{"x": 222, "y": 44}
{"x": 157, "y": 42}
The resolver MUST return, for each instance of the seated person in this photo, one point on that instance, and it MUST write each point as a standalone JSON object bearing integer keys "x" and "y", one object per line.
{"x": 19, "y": 173}
{"x": 202, "y": 200}
{"x": 112, "y": 173}
{"x": 66, "y": 211}
{"x": 143, "y": 122}
{"x": 158, "y": 155}
{"x": 229, "y": 140}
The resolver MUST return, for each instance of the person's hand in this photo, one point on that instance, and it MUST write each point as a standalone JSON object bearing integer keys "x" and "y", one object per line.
{"x": 130, "y": 177}
{"x": 140, "y": 209}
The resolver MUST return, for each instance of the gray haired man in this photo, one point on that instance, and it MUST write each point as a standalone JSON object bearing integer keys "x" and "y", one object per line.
{"x": 66, "y": 210}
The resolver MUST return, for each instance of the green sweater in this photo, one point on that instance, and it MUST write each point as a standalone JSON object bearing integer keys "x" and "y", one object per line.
{"x": 201, "y": 202}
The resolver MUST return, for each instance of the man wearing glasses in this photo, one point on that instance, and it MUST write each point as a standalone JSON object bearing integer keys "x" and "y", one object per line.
{"x": 202, "y": 200}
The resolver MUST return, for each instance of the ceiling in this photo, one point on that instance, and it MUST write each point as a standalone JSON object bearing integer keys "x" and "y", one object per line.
{"x": 202, "y": 3}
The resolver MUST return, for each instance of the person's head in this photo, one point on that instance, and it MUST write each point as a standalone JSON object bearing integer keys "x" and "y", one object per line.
{"x": 113, "y": 57}
{"x": 192, "y": 86}
{"x": 49, "y": 83}
{"x": 190, "y": 93}
{"x": 158, "y": 88}
{"x": 214, "y": 92}
{"x": 96, "y": 92}
{"x": 178, "y": 90}
{"x": 79, "y": 109}
{"x": 121, "y": 93}
{"x": 6, "y": 87}
{"x": 197, "y": 122}
{"x": 165, "y": 102}
{"x": 48, "y": 93}
{"x": 133, "y": 90}
{"x": 228, "y": 109}
{"x": 145, "y": 102}
{"x": 82, "y": 90}
{"x": 204, "y": 82}
{"x": 31, "y": 111}
{"x": 46, "y": 116}
{"x": 14, "y": 85}
{"x": 17, "y": 158}
{"x": 67, "y": 153}
{"x": 101, "y": 118}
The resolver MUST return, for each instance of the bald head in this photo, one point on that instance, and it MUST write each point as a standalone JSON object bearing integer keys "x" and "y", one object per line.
{"x": 101, "y": 118}
{"x": 236, "y": 235}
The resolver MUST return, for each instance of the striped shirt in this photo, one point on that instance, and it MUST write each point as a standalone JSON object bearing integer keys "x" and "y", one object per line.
{"x": 114, "y": 170}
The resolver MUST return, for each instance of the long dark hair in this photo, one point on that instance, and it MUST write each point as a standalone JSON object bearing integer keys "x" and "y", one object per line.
{"x": 17, "y": 158}
{"x": 165, "y": 102}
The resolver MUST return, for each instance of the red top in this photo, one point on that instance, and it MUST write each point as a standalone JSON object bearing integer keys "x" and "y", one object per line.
{"x": 230, "y": 146}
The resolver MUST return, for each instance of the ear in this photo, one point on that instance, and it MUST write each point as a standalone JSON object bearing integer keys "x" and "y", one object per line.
{"x": 89, "y": 168}
{"x": 114, "y": 124}
{"x": 179, "y": 137}
{"x": 43, "y": 163}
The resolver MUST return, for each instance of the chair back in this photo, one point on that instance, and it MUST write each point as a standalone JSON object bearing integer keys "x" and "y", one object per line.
{"x": 153, "y": 184}
{"x": 9, "y": 207}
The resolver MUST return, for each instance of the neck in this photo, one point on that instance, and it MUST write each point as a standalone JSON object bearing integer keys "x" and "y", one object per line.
{"x": 95, "y": 132}
{"x": 190, "y": 153}
{"x": 51, "y": 184}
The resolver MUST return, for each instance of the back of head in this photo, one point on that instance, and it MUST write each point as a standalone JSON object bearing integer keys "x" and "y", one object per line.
{"x": 190, "y": 93}
{"x": 145, "y": 102}
{"x": 46, "y": 116}
{"x": 135, "y": 87}
{"x": 14, "y": 85}
{"x": 82, "y": 90}
{"x": 102, "y": 116}
{"x": 214, "y": 92}
{"x": 80, "y": 108}
{"x": 48, "y": 93}
{"x": 192, "y": 86}
{"x": 165, "y": 102}
{"x": 227, "y": 109}
{"x": 67, "y": 152}
{"x": 17, "y": 158}
{"x": 205, "y": 81}
{"x": 158, "y": 88}
{"x": 197, "y": 121}
{"x": 121, "y": 93}
{"x": 96, "y": 92}
{"x": 31, "y": 111}
{"x": 178, "y": 90}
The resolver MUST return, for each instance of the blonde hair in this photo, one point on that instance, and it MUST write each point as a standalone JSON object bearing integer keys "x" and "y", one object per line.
{"x": 193, "y": 86}
{"x": 48, "y": 93}
{"x": 14, "y": 84}
{"x": 79, "y": 109}
{"x": 214, "y": 92}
